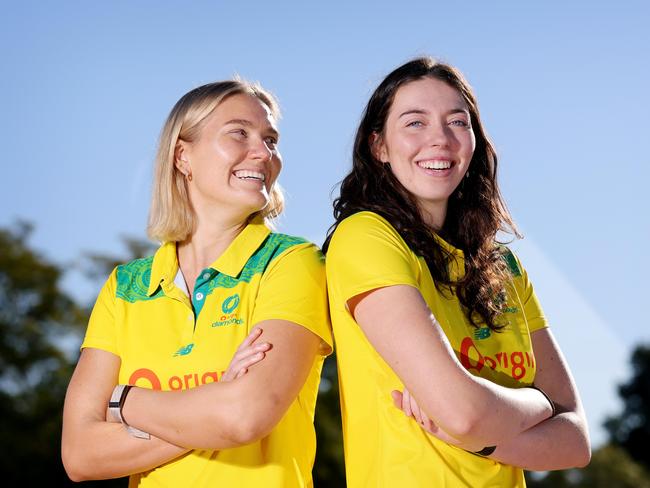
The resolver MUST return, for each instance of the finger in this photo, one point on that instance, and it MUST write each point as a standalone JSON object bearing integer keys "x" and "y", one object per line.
{"x": 250, "y": 338}
{"x": 406, "y": 403}
{"x": 415, "y": 408}
{"x": 241, "y": 373}
{"x": 397, "y": 398}
{"x": 245, "y": 363}
{"x": 427, "y": 423}
{"x": 243, "y": 354}
{"x": 250, "y": 360}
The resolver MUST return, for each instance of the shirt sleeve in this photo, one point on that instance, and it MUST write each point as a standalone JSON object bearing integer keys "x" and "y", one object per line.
{"x": 293, "y": 288}
{"x": 102, "y": 332}
{"x": 525, "y": 292}
{"x": 367, "y": 253}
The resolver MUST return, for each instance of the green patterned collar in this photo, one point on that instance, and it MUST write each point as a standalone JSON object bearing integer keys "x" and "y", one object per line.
{"x": 231, "y": 262}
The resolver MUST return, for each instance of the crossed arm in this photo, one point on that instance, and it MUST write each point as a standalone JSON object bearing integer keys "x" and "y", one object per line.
{"x": 466, "y": 410}
{"x": 469, "y": 408}
{"x": 560, "y": 442}
{"x": 214, "y": 416}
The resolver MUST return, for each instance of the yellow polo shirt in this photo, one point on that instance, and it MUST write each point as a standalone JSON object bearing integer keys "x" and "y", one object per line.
{"x": 164, "y": 343}
{"x": 383, "y": 447}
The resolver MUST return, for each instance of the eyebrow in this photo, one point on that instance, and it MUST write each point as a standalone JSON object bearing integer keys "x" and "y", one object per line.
{"x": 425, "y": 112}
{"x": 248, "y": 123}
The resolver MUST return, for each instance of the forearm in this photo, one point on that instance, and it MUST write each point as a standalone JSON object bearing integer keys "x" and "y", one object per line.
{"x": 229, "y": 414}
{"x": 468, "y": 407}
{"x": 557, "y": 443}
{"x": 101, "y": 450}
{"x": 205, "y": 417}
{"x": 479, "y": 411}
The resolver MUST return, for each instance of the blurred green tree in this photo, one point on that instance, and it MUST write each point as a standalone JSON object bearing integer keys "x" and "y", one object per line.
{"x": 631, "y": 429}
{"x": 329, "y": 468}
{"x": 36, "y": 318}
{"x": 610, "y": 467}
{"x": 40, "y": 331}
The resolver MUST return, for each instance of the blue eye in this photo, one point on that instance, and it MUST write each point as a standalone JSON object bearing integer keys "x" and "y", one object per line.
{"x": 415, "y": 123}
{"x": 459, "y": 123}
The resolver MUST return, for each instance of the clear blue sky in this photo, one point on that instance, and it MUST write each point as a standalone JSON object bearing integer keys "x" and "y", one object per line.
{"x": 562, "y": 86}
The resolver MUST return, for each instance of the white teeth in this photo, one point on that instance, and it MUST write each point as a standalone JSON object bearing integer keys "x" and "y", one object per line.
{"x": 245, "y": 174}
{"x": 437, "y": 164}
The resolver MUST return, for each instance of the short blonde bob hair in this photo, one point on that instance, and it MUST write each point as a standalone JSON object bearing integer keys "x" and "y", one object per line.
{"x": 171, "y": 217}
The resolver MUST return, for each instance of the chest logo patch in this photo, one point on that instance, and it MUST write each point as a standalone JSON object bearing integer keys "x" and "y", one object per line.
{"x": 230, "y": 303}
{"x": 230, "y": 316}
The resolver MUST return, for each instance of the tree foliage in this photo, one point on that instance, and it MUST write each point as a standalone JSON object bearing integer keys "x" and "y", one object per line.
{"x": 610, "y": 467}
{"x": 34, "y": 372}
{"x": 631, "y": 429}
{"x": 329, "y": 468}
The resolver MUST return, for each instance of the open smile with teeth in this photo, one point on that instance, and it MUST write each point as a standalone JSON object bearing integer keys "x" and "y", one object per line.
{"x": 434, "y": 164}
{"x": 246, "y": 174}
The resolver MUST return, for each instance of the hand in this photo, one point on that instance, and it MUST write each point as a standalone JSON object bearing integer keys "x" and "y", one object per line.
{"x": 248, "y": 353}
{"x": 405, "y": 402}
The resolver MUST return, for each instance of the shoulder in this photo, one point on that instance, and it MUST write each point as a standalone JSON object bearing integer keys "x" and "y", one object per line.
{"x": 280, "y": 249}
{"x": 363, "y": 221}
{"x": 132, "y": 279}
{"x": 276, "y": 244}
{"x": 512, "y": 262}
{"x": 364, "y": 225}
{"x": 365, "y": 231}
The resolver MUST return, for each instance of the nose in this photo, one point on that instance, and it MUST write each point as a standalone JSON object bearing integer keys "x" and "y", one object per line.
{"x": 439, "y": 134}
{"x": 261, "y": 150}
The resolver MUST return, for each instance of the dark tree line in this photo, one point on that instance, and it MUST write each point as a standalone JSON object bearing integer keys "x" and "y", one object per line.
{"x": 39, "y": 322}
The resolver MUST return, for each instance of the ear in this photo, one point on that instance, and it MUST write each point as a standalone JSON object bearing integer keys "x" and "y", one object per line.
{"x": 378, "y": 147}
{"x": 180, "y": 157}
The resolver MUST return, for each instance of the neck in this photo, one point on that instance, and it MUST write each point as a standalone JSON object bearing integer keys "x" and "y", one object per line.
{"x": 210, "y": 238}
{"x": 434, "y": 214}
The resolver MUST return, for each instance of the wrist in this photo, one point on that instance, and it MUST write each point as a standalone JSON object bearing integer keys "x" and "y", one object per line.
{"x": 116, "y": 409}
{"x": 548, "y": 398}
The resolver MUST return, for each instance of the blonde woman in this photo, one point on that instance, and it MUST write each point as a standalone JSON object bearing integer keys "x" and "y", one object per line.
{"x": 170, "y": 387}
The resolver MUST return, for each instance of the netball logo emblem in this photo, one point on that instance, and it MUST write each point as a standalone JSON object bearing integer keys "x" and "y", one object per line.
{"x": 230, "y": 303}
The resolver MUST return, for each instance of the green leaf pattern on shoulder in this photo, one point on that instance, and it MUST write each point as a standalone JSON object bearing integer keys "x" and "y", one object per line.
{"x": 274, "y": 245}
{"x": 511, "y": 261}
{"x": 133, "y": 281}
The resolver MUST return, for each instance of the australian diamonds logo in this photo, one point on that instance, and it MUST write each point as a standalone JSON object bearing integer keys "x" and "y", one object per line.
{"x": 229, "y": 309}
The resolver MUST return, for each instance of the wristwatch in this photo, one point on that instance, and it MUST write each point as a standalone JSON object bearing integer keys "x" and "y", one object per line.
{"x": 115, "y": 404}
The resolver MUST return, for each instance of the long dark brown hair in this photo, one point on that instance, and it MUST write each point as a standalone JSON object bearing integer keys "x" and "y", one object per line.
{"x": 475, "y": 212}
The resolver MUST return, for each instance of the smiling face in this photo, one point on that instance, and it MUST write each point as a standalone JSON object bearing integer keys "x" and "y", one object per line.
{"x": 429, "y": 142}
{"x": 234, "y": 161}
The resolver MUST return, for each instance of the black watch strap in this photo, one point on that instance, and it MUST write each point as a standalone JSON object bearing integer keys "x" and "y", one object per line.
{"x": 486, "y": 451}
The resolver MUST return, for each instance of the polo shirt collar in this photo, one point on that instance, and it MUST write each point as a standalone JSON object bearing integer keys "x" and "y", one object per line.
{"x": 164, "y": 266}
{"x": 235, "y": 257}
{"x": 231, "y": 262}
